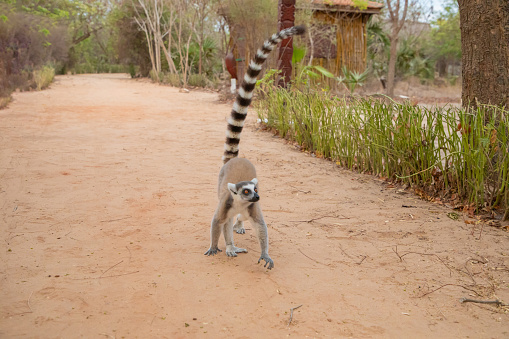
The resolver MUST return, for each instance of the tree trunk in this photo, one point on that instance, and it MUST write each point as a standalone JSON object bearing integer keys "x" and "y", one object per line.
{"x": 391, "y": 72}
{"x": 485, "y": 52}
{"x": 286, "y": 19}
{"x": 442, "y": 67}
{"x": 200, "y": 58}
{"x": 397, "y": 19}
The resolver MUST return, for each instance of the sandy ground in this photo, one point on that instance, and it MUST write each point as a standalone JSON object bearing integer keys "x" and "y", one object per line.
{"x": 107, "y": 189}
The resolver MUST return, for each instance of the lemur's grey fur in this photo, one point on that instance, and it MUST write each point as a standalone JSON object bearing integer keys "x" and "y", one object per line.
{"x": 238, "y": 186}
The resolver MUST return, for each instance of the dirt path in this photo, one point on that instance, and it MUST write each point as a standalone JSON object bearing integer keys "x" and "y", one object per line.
{"x": 107, "y": 189}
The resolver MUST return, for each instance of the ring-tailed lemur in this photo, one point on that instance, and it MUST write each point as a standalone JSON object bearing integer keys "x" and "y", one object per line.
{"x": 238, "y": 186}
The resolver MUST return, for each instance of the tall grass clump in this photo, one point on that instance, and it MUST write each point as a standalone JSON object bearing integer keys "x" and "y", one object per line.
{"x": 446, "y": 152}
{"x": 43, "y": 77}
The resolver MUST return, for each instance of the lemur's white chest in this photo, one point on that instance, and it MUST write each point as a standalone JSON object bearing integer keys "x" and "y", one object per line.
{"x": 239, "y": 207}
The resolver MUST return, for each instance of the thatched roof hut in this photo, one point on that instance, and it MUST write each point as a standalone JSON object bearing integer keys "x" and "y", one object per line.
{"x": 339, "y": 33}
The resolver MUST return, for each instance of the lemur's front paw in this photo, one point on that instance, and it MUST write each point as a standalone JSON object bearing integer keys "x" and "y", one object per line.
{"x": 212, "y": 251}
{"x": 268, "y": 261}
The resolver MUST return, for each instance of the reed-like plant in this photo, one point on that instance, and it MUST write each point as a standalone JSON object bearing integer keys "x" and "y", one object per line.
{"x": 43, "y": 77}
{"x": 444, "y": 151}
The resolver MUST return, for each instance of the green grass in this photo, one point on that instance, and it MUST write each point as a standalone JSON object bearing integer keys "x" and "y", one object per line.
{"x": 43, "y": 77}
{"x": 446, "y": 152}
{"x": 4, "y": 101}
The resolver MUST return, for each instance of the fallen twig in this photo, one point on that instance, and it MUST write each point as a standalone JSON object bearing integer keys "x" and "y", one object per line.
{"x": 318, "y": 218}
{"x": 129, "y": 254}
{"x": 28, "y": 302}
{"x": 305, "y": 192}
{"x": 107, "y": 276}
{"x": 291, "y": 314}
{"x": 468, "y": 271}
{"x": 428, "y": 254}
{"x": 311, "y": 220}
{"x": 121, "y": 261}
{"x": 312, "y": 258}
{"x": 117, "y": 219}
{"x": 496, "y": 302}
{"x": 363, "y": 258}
{"x": 436, "y": 289}
{"x": 480, "y": 232}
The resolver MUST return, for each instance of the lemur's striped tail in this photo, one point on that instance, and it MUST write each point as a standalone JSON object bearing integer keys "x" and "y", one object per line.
{"x": 243, "y": 100}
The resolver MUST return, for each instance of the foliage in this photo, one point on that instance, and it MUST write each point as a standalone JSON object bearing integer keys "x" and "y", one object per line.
{"x": 352, "y": 79}
{"x": 198, "y": 80}
{"x": 298, "y": 54}
{"x": 412, "y": 60}
{"x": 129, "y": 43}
{"x": 378, "y": 47}
{"x": 445, "y": 41}
{"x": 210, "y": 61}
{"x": 26, "y": 45}
{"x": 254, "y": 21}
{"x": 44, "y": 77}
{"x": 442, "y": 151}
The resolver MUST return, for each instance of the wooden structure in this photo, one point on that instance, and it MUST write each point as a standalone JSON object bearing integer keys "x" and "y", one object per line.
{"x": 339, "y": 34}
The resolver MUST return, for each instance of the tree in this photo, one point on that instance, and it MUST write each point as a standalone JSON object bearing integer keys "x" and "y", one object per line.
{"x": 155, "y": 18}
{"x": 203, "y": 11}
{"x": 445, "y": 39}
{"x": 485, "y": 52}
{"x": 397, "y": 17}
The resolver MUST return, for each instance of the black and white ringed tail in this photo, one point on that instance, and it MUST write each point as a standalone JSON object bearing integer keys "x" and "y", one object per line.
{"x": 245, "y": 93}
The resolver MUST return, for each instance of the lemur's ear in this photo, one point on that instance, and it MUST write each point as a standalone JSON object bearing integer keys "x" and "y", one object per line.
{"x": 232, "y": 188}
{"x": 254, "y": 181}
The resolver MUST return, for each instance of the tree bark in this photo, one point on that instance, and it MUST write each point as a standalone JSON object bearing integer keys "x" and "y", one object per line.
{"x": 397, "y": 19}
{"x": 391, "y": 71}
{"x": 286, "y": 19}
{"x": 485, "y": 52}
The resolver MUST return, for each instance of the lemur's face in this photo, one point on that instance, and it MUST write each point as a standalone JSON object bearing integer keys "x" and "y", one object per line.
{"x": 245, "y": 190}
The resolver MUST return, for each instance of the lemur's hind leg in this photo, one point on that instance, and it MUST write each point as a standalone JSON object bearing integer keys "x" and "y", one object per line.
{"x": 239, "y": 225}
{"x": 215, "y": 231}
{"x": 231, "y": 250}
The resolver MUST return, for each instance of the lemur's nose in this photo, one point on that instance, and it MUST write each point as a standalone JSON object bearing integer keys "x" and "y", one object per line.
{"x": 255, "y": 198}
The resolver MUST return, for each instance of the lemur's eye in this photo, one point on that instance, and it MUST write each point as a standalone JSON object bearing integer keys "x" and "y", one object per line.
{"x": 256, "y": 190}
{"x": 246, "y": 192}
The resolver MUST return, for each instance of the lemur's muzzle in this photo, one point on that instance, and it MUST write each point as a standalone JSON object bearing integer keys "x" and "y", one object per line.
{"x": 255, "y": 198}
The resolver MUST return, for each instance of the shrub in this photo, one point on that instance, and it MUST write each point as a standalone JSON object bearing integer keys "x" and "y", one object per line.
{"x": 174, "y": 80}
{"x": 198, "y": 80}
{"x": 44, "y": 77}
{"x": 26, "y": 46}
{"x": 443, "y": 151}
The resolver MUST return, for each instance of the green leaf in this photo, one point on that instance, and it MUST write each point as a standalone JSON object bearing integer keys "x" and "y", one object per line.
{"x": 324, "y": 71}
{"x": 44, "y": 31}
{"x": 298, "y": 54}
{"x": 311, "y": 74}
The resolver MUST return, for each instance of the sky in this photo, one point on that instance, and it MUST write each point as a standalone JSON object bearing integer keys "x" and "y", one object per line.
{"x": 437, "y": 5}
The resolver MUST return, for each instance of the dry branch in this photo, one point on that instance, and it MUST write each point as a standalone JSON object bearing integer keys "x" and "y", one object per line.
{"x": 427, "y": 254}
{"x": 121, "y": 261}
{"x": 436, "y": 289}
{"x": 28, "y": 302}
{"x": 291, "y": 314}
{"x": 312, "y": 258}
{"x": 495, "y": 302}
